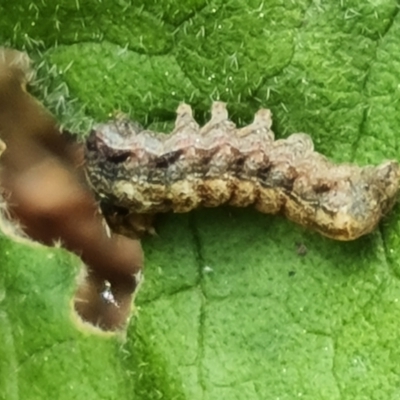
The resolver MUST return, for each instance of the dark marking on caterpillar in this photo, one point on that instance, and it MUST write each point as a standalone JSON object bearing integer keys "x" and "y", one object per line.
{"x": 147, "y": 172}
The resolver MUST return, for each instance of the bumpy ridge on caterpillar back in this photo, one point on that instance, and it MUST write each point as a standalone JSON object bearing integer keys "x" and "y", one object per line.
{"x": 148, "y": 172}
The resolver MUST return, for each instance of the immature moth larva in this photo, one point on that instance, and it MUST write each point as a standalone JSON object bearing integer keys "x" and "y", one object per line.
{"x": 146, "y": 172}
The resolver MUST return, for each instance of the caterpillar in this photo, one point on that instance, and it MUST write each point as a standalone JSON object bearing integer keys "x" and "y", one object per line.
{"x": 148, "y": 172}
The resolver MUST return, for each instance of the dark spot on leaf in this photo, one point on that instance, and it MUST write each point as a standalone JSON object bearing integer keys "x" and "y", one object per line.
{"x": 301, "y": 249}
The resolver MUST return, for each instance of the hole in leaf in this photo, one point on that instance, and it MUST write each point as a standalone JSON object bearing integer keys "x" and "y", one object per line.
{"x": 47, "y": 198}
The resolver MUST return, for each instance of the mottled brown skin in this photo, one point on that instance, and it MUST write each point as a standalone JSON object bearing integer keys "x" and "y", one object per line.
{"x": 44, "y": 186}
{"x": 147, "y": 172}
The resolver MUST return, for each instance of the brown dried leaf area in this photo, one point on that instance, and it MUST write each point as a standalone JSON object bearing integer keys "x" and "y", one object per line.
{"x": 47, "y": 199}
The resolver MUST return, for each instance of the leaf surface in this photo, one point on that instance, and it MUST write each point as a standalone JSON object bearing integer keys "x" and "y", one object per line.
{"x": 229, "y": 308}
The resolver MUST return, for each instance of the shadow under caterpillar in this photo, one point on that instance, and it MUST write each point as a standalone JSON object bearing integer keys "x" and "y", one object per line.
{"x": 147, "y": 172}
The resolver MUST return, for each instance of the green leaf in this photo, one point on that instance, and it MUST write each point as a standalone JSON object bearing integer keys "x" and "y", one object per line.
{"x": 228, "y": 309}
